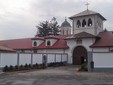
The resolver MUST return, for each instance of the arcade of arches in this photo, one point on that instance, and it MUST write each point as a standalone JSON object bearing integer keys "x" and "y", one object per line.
{"x": 79, "y": 55}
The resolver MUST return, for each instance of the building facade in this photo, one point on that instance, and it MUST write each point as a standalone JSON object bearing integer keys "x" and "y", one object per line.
{"x": 84, "y": 42}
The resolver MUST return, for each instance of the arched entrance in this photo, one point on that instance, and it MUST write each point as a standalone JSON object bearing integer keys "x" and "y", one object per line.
{"x": 79, "y": 55}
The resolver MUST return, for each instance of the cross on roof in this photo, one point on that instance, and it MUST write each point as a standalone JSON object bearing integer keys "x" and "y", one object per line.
{"x": 87, "y": 4}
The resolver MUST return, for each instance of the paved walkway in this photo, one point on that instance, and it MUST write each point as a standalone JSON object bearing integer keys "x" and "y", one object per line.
{"x": 66, "y": 75}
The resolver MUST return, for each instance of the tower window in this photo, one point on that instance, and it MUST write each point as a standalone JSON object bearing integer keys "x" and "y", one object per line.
{"x": 84, "y": 23}
{"x": 89, "y": 22}
{"x": 48, "y": 43}
{"x": 35, "y": 43}
{"x": 78, "y": 24}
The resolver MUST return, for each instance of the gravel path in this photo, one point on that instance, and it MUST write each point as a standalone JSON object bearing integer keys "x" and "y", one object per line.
{"x": 66, "y": 75}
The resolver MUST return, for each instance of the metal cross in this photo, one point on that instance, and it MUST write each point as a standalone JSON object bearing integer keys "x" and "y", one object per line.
{"x": 87, "y": 4}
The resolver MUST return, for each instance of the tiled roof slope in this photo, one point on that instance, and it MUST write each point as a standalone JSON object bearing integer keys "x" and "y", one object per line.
{"x": 106, "y": 40}
{"x": 24, "y": 43}
{"x": 81, "y": 35}
{"x": 87, "y": 12}
{"x": 3, "y": 48}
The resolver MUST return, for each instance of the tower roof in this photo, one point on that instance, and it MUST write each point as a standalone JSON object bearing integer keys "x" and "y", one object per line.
{"x": 86, "y": 13}
{"x": 65, "y": 24}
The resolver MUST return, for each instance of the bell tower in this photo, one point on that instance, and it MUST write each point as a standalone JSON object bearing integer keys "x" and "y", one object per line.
{"x": 87, "y": 21}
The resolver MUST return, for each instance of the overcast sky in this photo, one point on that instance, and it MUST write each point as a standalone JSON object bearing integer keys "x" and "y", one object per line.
{"x": 18, "y": 18}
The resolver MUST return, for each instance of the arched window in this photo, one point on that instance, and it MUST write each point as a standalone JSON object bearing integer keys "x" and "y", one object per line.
{"x": 89, "y": 22}
{"x": 78, "y": 24}
{"x": 35, "y": 43}
{"x": 84, "y": 23}
{"x": 48, "y": 43}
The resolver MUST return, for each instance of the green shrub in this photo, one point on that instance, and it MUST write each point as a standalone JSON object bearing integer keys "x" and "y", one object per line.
{"x": 29, "y": 66}
{"x": 40, "y": 66}
{"x": 36, "y": 65}
{"x": 83, "y": 67}
{"x": 26, "y": 66}
{"x": 21, "y": 67}
{"x": 16, "y": 67}
{"x": 11, "y": 68}
{"x": 6, "y": 68}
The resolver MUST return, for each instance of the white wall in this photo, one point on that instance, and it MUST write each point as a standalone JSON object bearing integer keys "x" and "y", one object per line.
{"x": 37, "y": 58}
{"x": 28, "y": 58}
{"x": 64, "y": 57}
{"x": 101, "y": 49}
{"x": 94, "y": 29}
{"x": 58, "y": 58}
{"x": 25, "y": 59}
{"x": 54, "y": 51}
{"x": 51, "y": 58}
{"x": 50, "y": 51}
{"x": 86, "y": 29}
{"x": 8, "y": 59}
{"x": 103, "y": 60}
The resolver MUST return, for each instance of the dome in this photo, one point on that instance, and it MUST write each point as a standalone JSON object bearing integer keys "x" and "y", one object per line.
{"x": 65, "y": 24}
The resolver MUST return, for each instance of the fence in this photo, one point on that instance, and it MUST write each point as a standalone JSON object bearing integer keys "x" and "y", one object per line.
{"x": 29, "y": 58}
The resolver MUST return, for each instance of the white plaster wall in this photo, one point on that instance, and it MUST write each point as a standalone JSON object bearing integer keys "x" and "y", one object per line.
{"x": 94, "y": 29}
{"x": 64, "y": 57}
{"x": 51, "y": 58}
{"x": 8, "y": 59}
{"x": 54, "y": 51}
{"x": 101, "y": 49}
{"x": 41, "y": 51}
{"x": 11, "y": 58}
{"x": 58, "y": 58}
{"x": 103, "y": 60}
{"x": 37, "y": 58}
{"x": 87, "y": 42}
{"x": 86, "y": 29}
{"x": 50, "y": 51}
{"x": 24, "y": 59}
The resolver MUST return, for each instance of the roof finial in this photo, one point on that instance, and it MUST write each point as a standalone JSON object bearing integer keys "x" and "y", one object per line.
{"x": 65, "y": 19}
{"x": 87, "y": 4}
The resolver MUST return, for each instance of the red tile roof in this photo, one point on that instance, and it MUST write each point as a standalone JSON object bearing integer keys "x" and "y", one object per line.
{"x": 106, "y": 40}
{"x": 60, "y": 44}
{"x": 38, "y": 38}
{"x": 25, "y": 43}
{"x": 81, "y": 35}
{"x": 3, "y": 48}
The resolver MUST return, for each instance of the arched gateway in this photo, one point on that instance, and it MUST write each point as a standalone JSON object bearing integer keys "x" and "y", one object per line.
{"x": 79, "y": 55}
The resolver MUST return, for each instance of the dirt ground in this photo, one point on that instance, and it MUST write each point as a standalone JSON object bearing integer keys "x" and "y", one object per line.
{"x": 65, "y": 75}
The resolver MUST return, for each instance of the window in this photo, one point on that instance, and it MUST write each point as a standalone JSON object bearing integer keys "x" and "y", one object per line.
{"x": 35, "y": 43}
{"x": 48, "y": 43}
{"x": 78, "y": 24}
{"x": 89, "y": 22}
{"x": 79, "y": 41}
{"x": 84, "y": 23}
